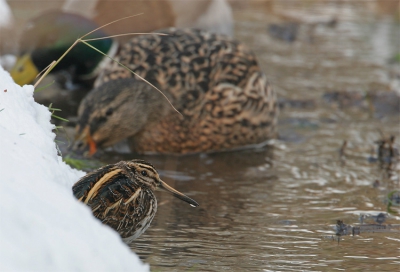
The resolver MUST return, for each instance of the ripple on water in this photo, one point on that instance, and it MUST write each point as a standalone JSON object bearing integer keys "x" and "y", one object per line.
{"x": 275, "y": 209}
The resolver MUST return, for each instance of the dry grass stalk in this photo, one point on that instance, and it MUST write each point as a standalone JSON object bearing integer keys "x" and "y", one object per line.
{"x": 48, "y": 69}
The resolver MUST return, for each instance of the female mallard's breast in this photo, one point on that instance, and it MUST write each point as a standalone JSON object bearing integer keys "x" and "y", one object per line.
{"x": 214, "y": 81}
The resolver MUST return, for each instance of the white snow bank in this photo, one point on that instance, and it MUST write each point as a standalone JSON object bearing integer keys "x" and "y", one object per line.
{"x": 42, "y": 226}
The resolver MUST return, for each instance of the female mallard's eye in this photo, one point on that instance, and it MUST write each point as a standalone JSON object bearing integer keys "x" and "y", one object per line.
{"x": 109, "y": 112}
{"x": 144, "y": 173}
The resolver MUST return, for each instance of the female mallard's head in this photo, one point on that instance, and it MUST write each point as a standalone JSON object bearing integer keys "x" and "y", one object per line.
{"x": 48, "y": 36}
{"x": 117, "y": 110}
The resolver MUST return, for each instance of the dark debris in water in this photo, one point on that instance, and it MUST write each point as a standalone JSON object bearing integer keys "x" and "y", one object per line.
{"x": 291, "y": 136}
{"x": 287, "y": 222}
{"x": 376, "y": 184}
{"x": 286, "y": 32}
{"x": 386, "y": 154}
{"x": 342, "y": 229}
{"x": 380, "y": 218}
{"x": 345, "y": 99}
{"x": 342, "y": 152}
{"x": 394, "y": 197}
{"x": 385, "y": 103}
{"x": 296, "y": 103}
{"x": 381, "y": 103}
{"x": 298, "y": 122}
{"x": 373, "y": 228}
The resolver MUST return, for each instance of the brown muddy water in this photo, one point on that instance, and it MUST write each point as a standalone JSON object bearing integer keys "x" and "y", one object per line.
{"x": 274, "y": 209}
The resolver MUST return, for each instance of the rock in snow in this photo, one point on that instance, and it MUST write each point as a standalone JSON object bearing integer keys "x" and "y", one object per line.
{"x": 42, "y": 226}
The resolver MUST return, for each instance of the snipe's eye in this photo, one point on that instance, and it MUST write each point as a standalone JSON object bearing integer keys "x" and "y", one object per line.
{"x": 144, "y": 173}
{"x": 109, "y": 112}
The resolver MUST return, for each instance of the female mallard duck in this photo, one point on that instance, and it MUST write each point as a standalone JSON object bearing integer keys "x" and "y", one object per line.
{"x": 212, "y": 80}
{"x": 121, "y": 196}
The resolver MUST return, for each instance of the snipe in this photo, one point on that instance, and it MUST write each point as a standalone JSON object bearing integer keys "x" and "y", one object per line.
{"x": 121, "y": 196}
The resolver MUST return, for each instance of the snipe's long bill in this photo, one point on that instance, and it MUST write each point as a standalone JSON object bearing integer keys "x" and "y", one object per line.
{"x": 122, "y": 196}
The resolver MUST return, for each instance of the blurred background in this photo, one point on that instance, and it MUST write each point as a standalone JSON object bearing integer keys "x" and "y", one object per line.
{"x": 336, "y": 68}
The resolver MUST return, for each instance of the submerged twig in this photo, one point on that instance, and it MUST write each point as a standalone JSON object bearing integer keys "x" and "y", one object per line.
{"x": 342, "y": 153}
{"x": 342, "y": 229}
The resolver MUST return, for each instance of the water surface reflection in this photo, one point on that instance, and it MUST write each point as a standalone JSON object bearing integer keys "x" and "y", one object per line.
{"x": 275, "y": 208}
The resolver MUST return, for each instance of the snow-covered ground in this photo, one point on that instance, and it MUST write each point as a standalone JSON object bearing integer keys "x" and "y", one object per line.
{"x": 42, "y": 226}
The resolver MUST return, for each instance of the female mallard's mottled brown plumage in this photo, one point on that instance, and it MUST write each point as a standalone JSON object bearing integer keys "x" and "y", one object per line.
{"x": 214, "y": 81}
{"x": 121, "y": 196}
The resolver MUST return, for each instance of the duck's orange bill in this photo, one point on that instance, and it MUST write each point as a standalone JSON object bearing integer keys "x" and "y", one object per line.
{"x": 92, "y": 144}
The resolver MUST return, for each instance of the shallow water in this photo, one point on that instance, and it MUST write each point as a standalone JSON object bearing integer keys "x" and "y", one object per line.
{"x": 274, "y": 209}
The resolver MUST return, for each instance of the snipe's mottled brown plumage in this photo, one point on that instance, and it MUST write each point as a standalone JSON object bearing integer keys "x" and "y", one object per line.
{"x": 214, "y": 81}
{"x": 121, "y": 196}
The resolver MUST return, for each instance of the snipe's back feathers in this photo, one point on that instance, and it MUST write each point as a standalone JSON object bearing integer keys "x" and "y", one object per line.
{"x": 121, "y": 196}
{"x": 214, "y": 81}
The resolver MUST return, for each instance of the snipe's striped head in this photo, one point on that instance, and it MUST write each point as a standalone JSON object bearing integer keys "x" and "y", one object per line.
{"x": 121, "y": 195}
{"x": 145, "y": 173}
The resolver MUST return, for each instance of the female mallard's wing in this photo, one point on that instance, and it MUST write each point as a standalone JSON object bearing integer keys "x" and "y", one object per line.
{"x": 186, "y": 64}
{"x": 182, "y": 59}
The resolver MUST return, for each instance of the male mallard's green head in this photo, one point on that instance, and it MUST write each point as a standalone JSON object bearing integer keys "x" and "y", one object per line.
{"x": 48, "y": 36}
